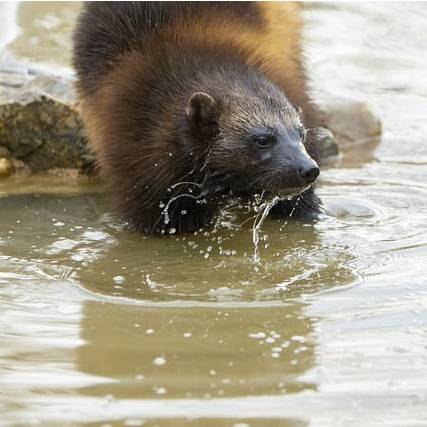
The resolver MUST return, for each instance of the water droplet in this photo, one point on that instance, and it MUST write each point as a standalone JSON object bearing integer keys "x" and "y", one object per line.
{"x": 160, "y": 390}
{"x": 257, "y": 335}
{"x": 159, "y": 361}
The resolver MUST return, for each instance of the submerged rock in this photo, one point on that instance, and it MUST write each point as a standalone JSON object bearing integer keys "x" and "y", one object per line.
{"x": 329, "y": 149}
{"x": 41, "y": 131}
{"x": 352, "y": 122}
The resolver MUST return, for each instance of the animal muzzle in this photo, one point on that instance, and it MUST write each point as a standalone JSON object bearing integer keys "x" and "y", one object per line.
{"x": 299, "y": 170}
{"x": 307, "y": 170}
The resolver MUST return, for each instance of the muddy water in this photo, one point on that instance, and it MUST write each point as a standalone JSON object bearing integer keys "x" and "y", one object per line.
{"x": 102, "y": 327}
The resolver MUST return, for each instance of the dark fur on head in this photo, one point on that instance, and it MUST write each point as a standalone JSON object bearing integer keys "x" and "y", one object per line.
{"x": 181, "y": 123}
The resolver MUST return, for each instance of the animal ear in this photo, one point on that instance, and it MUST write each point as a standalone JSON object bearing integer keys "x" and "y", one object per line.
{"x": 201, "y": 108}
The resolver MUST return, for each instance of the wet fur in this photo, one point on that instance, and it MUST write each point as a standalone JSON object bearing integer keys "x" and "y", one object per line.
{"x": 138, "y": 62}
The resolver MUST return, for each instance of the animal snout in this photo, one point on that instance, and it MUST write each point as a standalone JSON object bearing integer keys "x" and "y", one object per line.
{"x": 308, "y": 171}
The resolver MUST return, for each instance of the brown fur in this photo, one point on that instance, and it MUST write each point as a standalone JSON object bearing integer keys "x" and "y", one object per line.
{"x": 115, "y": 96}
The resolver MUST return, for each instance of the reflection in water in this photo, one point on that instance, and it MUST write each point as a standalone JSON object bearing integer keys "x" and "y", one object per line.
{"x": 195, "y": 352}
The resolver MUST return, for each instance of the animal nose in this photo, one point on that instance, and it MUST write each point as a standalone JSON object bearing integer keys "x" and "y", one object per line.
{"x": 308, "y": 172}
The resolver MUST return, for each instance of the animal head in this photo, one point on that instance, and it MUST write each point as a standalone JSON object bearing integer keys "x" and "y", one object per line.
{"x": 254, "y": 140}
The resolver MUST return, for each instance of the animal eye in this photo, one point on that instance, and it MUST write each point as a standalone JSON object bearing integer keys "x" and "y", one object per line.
{"x": 302, "y": 133}
{"x": 265, "y": 141}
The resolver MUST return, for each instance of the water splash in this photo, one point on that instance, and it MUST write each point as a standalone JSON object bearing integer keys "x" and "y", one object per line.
{"x": 165, "y": 211}
{"x": 264, "y": 210}
{"x": 197, "y": 184}
{"x": 291, "y": 213}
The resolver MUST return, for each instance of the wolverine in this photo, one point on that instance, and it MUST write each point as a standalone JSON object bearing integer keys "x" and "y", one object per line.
{"x": 190, "y": 104}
